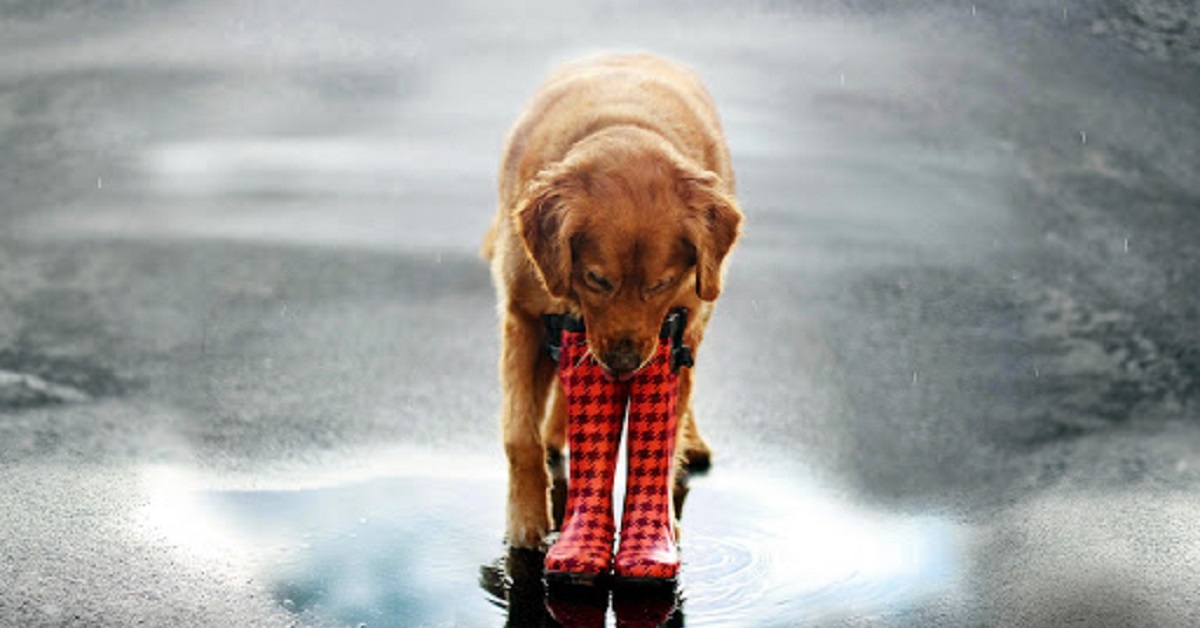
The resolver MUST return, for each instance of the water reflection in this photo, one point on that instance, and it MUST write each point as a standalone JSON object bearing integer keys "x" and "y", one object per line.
{"x": 404, "y": 545}
{"x": 514, "y": 584}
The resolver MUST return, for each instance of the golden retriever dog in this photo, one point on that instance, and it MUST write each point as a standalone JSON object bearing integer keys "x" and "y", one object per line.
{"x": 616, "y": 206}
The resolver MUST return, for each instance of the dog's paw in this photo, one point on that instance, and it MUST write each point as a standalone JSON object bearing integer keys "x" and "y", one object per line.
{"x": 528, "y": 512}
{"x": 528, "y": 529}
{"x": 528, "y": 516}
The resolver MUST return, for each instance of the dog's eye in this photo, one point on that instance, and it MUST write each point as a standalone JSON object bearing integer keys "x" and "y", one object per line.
{"x": 598, "y": 283}
{"x": 660, "y": 286}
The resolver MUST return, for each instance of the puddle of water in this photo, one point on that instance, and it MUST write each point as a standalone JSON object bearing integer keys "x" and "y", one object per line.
{"x": 416, "y": 543}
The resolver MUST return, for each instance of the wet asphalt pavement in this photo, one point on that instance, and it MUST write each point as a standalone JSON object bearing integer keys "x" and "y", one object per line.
{"x": 247, "y": 348}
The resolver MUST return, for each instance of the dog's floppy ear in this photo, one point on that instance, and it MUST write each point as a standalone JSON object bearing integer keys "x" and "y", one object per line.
{"x": 540, "y": 216}
{"x": 712, "y": 227}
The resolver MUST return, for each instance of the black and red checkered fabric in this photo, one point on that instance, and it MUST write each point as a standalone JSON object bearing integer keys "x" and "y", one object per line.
{"x": 596, "y": 410}
{"x": 596, "y": 406}
{"x": 647, "y": 548}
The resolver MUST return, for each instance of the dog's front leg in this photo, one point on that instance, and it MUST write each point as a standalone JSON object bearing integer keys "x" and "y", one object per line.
{"x": 696, "y": 455}
{"x": 526, "y": 372}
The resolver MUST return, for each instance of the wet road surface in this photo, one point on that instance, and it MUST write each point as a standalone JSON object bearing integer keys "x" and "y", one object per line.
{"x": 247, "y": 349}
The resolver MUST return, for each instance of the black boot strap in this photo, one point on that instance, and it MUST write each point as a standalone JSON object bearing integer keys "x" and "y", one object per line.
{"x": 672, "y": 330}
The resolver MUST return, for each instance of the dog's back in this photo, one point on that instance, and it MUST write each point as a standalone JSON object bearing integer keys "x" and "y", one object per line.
{"x": 592, "y": 94}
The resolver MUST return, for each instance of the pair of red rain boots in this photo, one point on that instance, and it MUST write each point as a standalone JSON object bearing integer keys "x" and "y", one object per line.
{"x": 596, "y": 403}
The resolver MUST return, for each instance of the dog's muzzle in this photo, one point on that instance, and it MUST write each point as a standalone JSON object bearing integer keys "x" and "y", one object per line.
{"x": 621, "y": 362}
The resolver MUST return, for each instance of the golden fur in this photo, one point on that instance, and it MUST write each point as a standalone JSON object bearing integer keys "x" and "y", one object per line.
{"x": 616, "y": 204}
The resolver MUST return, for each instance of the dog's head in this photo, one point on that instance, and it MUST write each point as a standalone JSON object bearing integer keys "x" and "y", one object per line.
{"x": 627, "y": 230}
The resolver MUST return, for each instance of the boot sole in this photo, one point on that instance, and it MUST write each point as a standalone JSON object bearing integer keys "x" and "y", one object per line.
{"x": 568, "y": 582}
{"x": 644, "y": 587}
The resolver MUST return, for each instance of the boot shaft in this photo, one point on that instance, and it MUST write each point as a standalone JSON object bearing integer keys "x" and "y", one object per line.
{"x": 596, "y": 411}
{"x": 650, "y": 448}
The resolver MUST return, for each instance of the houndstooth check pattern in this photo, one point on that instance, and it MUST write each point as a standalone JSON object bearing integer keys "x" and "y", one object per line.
{"x": 647, "y": 548}
{"x": 596, "y": 408}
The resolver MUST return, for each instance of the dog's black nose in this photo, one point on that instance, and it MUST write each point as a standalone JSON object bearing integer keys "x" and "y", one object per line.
{"x": 621, "y": 358}
{"x": 621, "y": 363}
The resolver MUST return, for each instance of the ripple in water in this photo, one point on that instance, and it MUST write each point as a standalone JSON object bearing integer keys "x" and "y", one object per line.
{"x": 722, "y": 579}
{"x": 769, "y": 553}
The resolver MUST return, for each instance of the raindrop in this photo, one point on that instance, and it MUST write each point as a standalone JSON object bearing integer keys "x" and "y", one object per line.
{"x": 362, "y": 521}
{"x": 972, "y": 10}
{"x": 1037, "y": 373}
{"x": 99, "y": 182}
{"x": 842, "y": 79}
{"x": 1083, "y": 137}
{"x": 1126, "y": 245}
{"x": 915, "y": 375}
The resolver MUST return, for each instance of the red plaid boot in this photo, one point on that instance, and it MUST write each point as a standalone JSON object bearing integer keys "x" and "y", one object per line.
{"x": 647, "y": 551}
{"x": 595, "y": 410}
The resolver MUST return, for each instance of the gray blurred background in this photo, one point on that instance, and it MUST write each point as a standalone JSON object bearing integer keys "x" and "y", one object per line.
{"x": 240, "y": 301}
